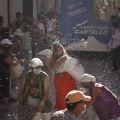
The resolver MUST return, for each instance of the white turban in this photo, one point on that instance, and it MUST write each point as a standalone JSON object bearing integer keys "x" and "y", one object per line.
{"x": 35, "y": 62}
{"x": 87, "y": 78}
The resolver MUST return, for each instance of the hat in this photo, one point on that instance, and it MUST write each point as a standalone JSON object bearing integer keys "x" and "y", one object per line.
{"x": 35, "y": 62}
{"x": 45, "y": 52}
{"x": 6, "y": 41}
{"x": 87, "y": 78}
{"x": 18, "y": 32}
{"x": 76, "y": 96}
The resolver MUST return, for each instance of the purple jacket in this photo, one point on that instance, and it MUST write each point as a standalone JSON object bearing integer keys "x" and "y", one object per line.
{"x": 106, "y": 104}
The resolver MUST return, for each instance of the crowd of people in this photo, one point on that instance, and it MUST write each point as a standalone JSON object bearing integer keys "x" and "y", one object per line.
{"x": 21, "y": 46}
{"x": 106, "y": 10}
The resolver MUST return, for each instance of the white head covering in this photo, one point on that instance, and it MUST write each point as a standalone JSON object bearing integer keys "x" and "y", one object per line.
{"x": 6, "y": 41}
{"x": 45, "y": 52}
{"x": 35, "y": 62}
{"x": 87, "y": 78}
{"x": 18, "y": 32}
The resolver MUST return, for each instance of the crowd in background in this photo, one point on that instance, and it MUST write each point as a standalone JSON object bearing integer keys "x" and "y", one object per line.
{"x": 31, "y": 36}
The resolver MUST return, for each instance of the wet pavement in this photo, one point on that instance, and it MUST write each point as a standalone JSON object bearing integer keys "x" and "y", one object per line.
{"x": 98, "y": 65}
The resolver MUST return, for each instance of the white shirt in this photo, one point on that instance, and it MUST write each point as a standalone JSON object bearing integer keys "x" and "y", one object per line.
{"x": 50, "y": 25}
{"x": 41, "y": 27}
{"x": 115, "y": 40}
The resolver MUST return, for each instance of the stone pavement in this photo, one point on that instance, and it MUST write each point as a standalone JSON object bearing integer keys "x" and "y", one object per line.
{"x": 95, "y": 64}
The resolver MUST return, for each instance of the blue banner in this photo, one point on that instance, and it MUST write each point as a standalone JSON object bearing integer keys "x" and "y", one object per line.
{"x": 80, "y": 19}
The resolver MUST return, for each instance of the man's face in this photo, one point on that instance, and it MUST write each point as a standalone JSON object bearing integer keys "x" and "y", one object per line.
{"x": 37, "y": 70}
{"x": 81, "y": 107}
{"x": 85, "y": 84}
{"x": 20, "y": 16}
{"x": 7, "y": 47}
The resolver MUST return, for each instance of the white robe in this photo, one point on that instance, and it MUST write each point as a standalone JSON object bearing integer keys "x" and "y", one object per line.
{"x": 72, "y": 67}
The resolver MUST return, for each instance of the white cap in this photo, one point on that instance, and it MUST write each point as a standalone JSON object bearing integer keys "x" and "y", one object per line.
{"x": 35, "y": 62}
{"x": 87, "y": 78}
{"x": 18, "y": 32}
{"x": 6, "y": 41}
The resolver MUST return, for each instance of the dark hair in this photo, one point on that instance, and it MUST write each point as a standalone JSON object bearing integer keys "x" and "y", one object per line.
{"x": 28, "y": 20}
{"x": 115, "y": 24}
{"x": 5, "y": 29}
{"x": 25, "y": 28}
{"x": 1, "y": 19}
{"x": 71, "y": 106}
{"x": 6, "y": 35}
{"x": 40, "y": 17}
{"x": 18, "y": 24}
{"x": 18, "y": 13}
{"x": 50, "y": 15}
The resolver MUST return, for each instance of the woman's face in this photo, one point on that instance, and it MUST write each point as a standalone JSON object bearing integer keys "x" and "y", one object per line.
{"x": 59, "y": 51}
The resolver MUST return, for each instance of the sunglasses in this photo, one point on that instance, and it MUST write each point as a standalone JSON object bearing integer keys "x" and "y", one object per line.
{"x": 81, "y": 102}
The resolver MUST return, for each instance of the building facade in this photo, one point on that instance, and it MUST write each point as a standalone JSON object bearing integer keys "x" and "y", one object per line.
{"x": 31, "y": 8}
